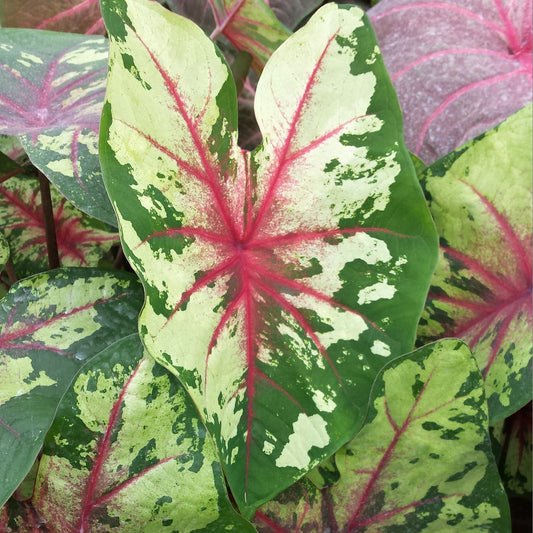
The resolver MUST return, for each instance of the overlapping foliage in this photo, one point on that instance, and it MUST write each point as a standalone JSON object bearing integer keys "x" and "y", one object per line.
{"x": 282, "y": 286}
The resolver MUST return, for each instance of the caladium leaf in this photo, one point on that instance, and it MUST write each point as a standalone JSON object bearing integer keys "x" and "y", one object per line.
{"x": 460, "y": 66}
{"x": 19, "y": 517}
{"x": 81, "y": 240}
{"x": 75, "y": 16}
{"x": 480, "y": 198}
{"x": 128, "y": 451}
{"x": 253, "y": 298}
{"x": 250, "y": 26}
{"x": 51, "y": 93}
{"x": 50, "y": 325}
{"x": 422, "y": 462}
{"x": 10, "y": 146}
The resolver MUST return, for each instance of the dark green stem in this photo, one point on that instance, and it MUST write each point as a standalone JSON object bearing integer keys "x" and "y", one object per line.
{"x": 49, "y": 222}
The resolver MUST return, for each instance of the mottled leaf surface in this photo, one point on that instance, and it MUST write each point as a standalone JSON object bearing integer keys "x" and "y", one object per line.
{"x": 81, "y": 240}
{"x": 74, "y": 16}
{"x": 52, "y": 89}
{"x": 480, "y": 198}
{"x": 459, "y": 66}
{"x": 128, "y": 451}
{"x": 18, "y": 517}
{"x": 10, "y": 146}
{"x": 50, "y": 325}
{"x": 422, "y": 462}
{"x": 253, "y": 298}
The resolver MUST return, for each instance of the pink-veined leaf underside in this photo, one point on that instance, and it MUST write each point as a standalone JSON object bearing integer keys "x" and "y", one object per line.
{"x": 277, "y": 282}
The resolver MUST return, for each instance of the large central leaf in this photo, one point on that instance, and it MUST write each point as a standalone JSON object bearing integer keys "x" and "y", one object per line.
{"x": 278, "y": 283}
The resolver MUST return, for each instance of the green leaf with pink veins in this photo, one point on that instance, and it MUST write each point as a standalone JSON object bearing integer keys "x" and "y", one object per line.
{"x": 254, "y": 298}
{"x": 422, "y": 461}
{"x": 51, "y": 94}
{"x": 50, "y": 325}
{"x": 127, "y": 448}
{"x": 480, "y": 198}
{"x": 4, "y": 251}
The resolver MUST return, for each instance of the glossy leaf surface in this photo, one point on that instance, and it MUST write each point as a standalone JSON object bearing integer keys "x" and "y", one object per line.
{"x": 51, "y": 94}
{"x": 480, "y": 198}
{"x": 74, "y": 16}
{"x": 50, "y": 325}
{"x": 81, "y": 240}
{"x": 254, "y": 299}
{"x": 422, "y": 462}
{"x": 129, "y": 450}
{"x": 459, "y": 66}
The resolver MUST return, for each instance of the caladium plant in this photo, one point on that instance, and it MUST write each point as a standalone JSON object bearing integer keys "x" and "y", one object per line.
{"x": 282, "y": 287}
{"x": 292, "y": 300}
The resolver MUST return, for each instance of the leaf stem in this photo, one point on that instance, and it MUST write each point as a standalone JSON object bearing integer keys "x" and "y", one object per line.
{"x": 49, "y": 222}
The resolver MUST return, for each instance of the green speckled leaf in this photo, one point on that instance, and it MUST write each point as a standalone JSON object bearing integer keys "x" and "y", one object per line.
{"x": 422, "y": 462}
{"x": 128, "y": 453}
{"x": 286, "y": 277}
{"x": 480, "y": 198}
{"x": 4, "y": 251}
{"x": 81, "y": 239}
{"x": 50, "y": 325}
{"x": 10, "y": 146}
{"x": 51, "y": 93}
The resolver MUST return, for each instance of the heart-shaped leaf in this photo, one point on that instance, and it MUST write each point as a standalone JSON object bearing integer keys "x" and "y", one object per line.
{"x": 51, "y": 93}
{"x": 422, "y": 462}
{"x": 50, "y": 325}
{"x": 480, "y": 198}
{"x": 254, "y": 299}
{"x": 75, "y": 16}
{"x": 460, "y": 66}
{"x": 127, "y": 451}
{"x": 81, "y": 240}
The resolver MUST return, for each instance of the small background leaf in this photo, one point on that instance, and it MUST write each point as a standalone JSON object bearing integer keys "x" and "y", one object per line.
{"x": 50, "y": 325}
{"x": 128, "y": 451}
{"x": 422, "y": 462}
{"x": 81, "y": 239}
{"x": 459, "y": 66}
{"x": 480, "y": 198}
{"x": 74, "y": 16}
{"x": 51, "y": 94}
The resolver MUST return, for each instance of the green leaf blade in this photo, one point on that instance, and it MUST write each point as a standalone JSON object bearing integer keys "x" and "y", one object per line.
{"x": 481, "y": 290}
{"x": 51, "y": 93}
{"x": 422, "y": 462}
{"x": 147, "y": 462}
{"x": 292, "y": 314}
{"x": 50, "y": 324}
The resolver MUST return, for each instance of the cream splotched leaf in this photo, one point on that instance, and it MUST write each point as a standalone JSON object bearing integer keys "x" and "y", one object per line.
{"x": 50, "y": 325}
{"x": 269, "y": 276}
{"x": 480, "y": 198}
{"x": 52, "y": 89}
{"x": 81, "y": 239}
{"x": 129, "y": 445}
{"x": 422, "y": 461}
